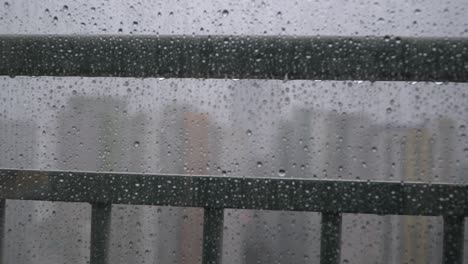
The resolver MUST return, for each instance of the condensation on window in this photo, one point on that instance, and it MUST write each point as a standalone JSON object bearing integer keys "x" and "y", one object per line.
{"x": 428, "y": 18}
{"x": 339, "y": 130}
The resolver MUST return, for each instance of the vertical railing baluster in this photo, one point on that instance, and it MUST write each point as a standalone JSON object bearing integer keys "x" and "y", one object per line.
{"x": 212, "y": 235}
{"x": 2, "y": 228}
{"x": 330, "y": 242}
{"x": 453, "y": 239}
{"x": 100, "y": 232}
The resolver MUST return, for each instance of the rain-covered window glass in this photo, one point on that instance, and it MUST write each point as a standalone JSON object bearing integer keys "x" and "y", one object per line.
{"x": 335, "y": 131}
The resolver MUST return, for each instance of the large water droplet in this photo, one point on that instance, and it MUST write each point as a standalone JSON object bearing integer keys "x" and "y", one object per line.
{"x": 282, "y": 173}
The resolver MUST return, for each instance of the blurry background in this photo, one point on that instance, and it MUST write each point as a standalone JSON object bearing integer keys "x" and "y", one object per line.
{"x": 264, "y": 128}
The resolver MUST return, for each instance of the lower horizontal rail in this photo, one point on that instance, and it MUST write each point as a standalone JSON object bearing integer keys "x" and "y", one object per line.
{"x": 334, "y": 196}
{"x": 238, "y": 57}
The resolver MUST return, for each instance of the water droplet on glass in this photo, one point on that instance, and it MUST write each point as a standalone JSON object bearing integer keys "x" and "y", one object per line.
{"x": 374, "y": 149}
{"x": 281, "y": 173}
{"x": 259, "y": 164}
{"x": 136, "y": 144}
{"x": 389, "y": 110}
{"x": 225, "y": 13}
{"x": 248, "y": 132}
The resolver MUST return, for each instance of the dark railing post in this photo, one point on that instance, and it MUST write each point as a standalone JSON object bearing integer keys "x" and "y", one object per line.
{"x": 212, "y": 235}
{"x": 2, "y": 228}
{"x": 330, "y": 242}
{"x": 100, "y": 232}
{"x": 453, "y": 239}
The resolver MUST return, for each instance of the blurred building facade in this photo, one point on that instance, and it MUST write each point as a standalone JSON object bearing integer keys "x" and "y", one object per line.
{"x": 101, "y": 135}
{"x": 18, "y": 141}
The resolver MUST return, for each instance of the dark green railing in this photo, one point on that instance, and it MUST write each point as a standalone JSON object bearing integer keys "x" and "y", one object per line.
{"x": 309, "y": 58}
{"x": 330, "y": 197}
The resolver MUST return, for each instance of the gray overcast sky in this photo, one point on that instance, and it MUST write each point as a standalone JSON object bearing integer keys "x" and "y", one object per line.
{"x": 258, "y": 17}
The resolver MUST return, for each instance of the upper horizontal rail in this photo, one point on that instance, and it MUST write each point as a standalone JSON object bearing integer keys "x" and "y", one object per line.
{"x": 237, "y": 57}
{"x": 235, "y": 192}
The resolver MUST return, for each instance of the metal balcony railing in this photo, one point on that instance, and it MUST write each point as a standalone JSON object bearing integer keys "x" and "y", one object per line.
{"x": 313, "y": 58}
{"x": 330, "y": 197}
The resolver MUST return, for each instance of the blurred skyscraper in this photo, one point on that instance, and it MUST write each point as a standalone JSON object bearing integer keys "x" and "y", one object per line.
{"x": 190, "y": 144}
{"x": 18, "y": 141}
{"x": 98, "y": 134}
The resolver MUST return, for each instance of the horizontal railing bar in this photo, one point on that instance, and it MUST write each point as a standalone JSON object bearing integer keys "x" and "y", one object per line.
{"x": 237, "y": 57}
{"x": 330, "y": 196}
